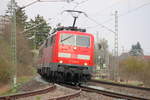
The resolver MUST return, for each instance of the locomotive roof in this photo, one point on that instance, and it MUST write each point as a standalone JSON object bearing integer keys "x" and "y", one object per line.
{"x": 69, "y": 28}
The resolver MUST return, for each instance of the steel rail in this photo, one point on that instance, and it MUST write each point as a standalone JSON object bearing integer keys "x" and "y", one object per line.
{"x": 120, "y": 85}
{"x": 107, "y": 92}
{"x": 112, "y": 93}
{"x": 27, "y": 94}
{"x": 67, "y": 97}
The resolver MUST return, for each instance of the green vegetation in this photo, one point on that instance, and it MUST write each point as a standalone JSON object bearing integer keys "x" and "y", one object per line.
{"x": 5, "y": 65}
{"x": 11, "y": 91}
{"x": 25, "y": 56}
{"x": 101, "y": 53}
{"x": 38, "y": 34}
{"x": 5, "y": 73}
{"x": 136, "y": 50}
{"x": 102, "y": 79}
{"x": 20, "y": 81}
{"x": 38, "y": 98}
{"x": 24, "y": 79}
{"x": 134, "y": 83}
{"x": 135, "y": 68}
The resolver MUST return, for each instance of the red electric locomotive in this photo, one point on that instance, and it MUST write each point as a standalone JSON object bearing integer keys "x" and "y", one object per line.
{"x": 67, "y": 56}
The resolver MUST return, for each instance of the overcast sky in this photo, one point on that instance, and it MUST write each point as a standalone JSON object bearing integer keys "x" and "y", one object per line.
{"x": 133, "y": 22}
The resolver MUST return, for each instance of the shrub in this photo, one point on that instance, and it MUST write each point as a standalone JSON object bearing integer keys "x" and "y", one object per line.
{"x": 5, "y": 71}
{"x": 135, "y": 68}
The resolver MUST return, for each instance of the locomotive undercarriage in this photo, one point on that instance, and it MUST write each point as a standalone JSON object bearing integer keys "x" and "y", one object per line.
{"x": 62, "y": 73}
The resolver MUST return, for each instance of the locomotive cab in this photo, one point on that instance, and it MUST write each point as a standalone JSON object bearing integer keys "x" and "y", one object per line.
{"x": 75, "y": 48}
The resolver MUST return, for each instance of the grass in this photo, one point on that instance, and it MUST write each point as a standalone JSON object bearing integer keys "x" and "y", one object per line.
{"x": 101, "y": 79}
{"x": 134, "y": 83}
{"x": 38, "y": 98}
{"x": 13, "y": 90}
{"x": 24, "y": 79}
{"x": 20, "y": 81}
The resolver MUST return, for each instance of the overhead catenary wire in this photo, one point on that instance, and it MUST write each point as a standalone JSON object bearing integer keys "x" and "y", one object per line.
{"x": 93, "y": 20}
{"x": 94, "y": 26}
{"x": 77, "y": 4}
{"x": 110, "y": 6}
{"x": 68, "y": 1}
{"x": 103, "y": 26}
{"x": 122, "y": 15}
{"x": 56, "y": 1}
{"x": 36, "y": 1}
{"x": 135, "y": 9}
{"x": 29, "y": 4}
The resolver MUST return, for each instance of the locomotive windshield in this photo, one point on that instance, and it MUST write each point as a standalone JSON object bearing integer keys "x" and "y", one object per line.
{"x": 67, "y": 39}
{"x": 75, "y": 40}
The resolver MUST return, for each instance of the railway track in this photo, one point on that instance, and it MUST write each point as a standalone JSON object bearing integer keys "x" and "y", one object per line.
{"x": 123, "y": 88}
{"x": 109, "y": 93}
{"x": 74, "y": 94}
{"x": 41, "y": 92}
{"x": 67, "y": 97}
{"x": 112, "y": 93}
{"x": 121, "y": 85}
{"x": 27, "y": 94}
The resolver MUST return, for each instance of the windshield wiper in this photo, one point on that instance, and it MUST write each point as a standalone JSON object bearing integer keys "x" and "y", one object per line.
{"x": 66, "y": 38}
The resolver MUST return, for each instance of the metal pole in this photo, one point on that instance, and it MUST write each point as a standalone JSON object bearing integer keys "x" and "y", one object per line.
{"x": 97, "y": 36}
{"x": 116, "y": 46}
{"x": 74, "y": 22}
{"x": 34, "y": 40}
{"x": 13, "y": 43}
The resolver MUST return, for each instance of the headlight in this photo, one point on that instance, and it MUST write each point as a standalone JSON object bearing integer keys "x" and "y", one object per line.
{"x": 61, "y": 61}
{"x": 85, "y": 57}
{"x": 85, "y": 64}
{"x": 66, "y": 55}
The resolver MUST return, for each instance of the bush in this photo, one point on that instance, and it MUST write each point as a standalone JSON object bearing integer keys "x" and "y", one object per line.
{"x": 5, "y": 71}
{"x": 135, "y": 68}
{"x": 5, "y": 66}
{"x": 24, "y": 56}
{"x": 145, "y": 74}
